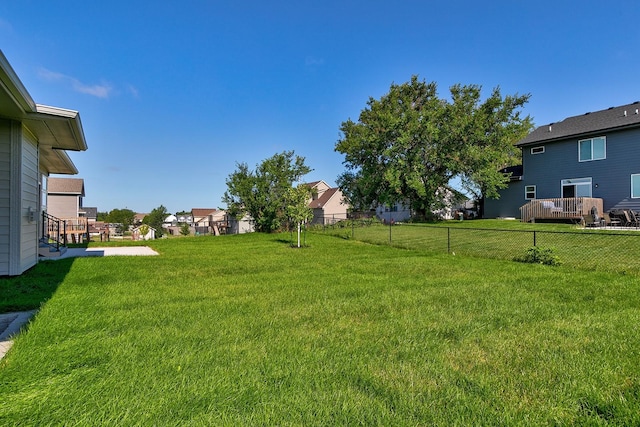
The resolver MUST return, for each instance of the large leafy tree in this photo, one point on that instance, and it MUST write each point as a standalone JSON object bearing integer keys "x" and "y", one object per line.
{"x": 484, "y": 134}
{"x": 262, "y": 193}
{"x": 408, "y": 145}
{"x": 156, "y": 218}
{"x": 124, "y": 217}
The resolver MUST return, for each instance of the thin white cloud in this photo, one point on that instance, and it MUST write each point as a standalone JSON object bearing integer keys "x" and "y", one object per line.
{"x": 133, "y": 91}
{"x": 50, "y": 75}
{"x": 311, "y": 61}
{"x": 102, "y": 90}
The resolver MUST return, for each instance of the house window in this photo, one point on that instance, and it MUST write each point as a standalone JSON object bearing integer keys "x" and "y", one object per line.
{"x": 529, "y": 192}
{"x": 592, "y": 149}
{"x": 635, "y": 186}
{"x": 576, "y": 187}
{"x": 537, "y": 150}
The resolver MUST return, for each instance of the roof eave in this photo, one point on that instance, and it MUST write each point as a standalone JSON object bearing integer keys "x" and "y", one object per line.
{"x": 576, "y": 135}
{"x": 57, "y": 161}
{"x": 14, "y": 88}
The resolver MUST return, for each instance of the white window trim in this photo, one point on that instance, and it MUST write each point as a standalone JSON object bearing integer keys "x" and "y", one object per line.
{"x": 592, "y": 159}
{"x": 583, "y": 181}
{"x": 539, "y": 150}
{"x": 534, "y": 191}
{"x": 632, "y": 196}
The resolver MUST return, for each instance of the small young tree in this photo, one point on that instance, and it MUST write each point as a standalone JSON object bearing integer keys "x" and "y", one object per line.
{"x": 144, "y": 230}
{"x": 297, "y": 206}
{"x": 185, "y": 230}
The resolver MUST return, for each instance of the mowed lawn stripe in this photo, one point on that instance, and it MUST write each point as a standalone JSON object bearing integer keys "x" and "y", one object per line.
{"x": 245, "y": 330}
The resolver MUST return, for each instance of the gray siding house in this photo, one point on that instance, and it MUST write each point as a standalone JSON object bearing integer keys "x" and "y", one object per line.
{"x": 594, "y": 156}
{"x": 33, "y": 140}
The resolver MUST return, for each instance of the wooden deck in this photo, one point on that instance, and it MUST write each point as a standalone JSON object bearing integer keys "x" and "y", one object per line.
{"x": 75, "y": 230}
{"x": 560, "y": 209}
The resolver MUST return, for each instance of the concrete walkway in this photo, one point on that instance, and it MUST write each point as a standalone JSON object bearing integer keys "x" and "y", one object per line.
{"x": 12, "y": 323}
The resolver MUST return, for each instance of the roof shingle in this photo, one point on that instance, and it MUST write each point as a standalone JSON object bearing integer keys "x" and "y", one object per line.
{"x": 65, "y": 185}
{"x": 612, "y": 118}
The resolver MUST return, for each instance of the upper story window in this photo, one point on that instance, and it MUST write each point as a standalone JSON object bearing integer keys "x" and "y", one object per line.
{"x": 592, "y": 149}
{"x": 537, "y": 150}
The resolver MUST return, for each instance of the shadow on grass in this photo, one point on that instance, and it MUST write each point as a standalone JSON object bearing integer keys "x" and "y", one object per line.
{"x": 35, "y": 286}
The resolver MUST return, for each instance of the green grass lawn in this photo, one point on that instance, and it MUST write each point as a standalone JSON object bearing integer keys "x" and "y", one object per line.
{"x": 574, "y": 246}
{"x": 245, "y": 330}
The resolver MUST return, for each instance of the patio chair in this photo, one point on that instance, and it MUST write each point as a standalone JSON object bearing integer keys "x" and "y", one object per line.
{"x": 588, "y": 221}
{"x": 619, "y": 214}
{"x": 611, "y": 221}
{"x": 634, "y": 221}
{"x": 596, "y": 221}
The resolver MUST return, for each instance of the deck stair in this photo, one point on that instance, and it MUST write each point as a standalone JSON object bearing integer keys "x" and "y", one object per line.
{"x": 53, "y": 242}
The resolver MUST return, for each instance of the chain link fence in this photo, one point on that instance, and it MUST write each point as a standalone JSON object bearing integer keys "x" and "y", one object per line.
{"x": 601, "y": 250}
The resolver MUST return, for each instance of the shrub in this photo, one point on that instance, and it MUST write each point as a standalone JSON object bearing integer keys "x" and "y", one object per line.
{"x": 538, "y": 255}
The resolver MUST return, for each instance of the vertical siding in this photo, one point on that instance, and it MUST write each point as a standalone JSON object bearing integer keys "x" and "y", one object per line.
{"x": 5, "y": 193}
{"x": 29, "y": 200}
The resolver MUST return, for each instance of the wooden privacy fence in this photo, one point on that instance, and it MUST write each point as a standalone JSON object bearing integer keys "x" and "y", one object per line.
{"x": 560, "y": 208}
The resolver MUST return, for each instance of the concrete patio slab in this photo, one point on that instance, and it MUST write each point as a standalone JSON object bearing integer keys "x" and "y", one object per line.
{"x": 109, "y": 251}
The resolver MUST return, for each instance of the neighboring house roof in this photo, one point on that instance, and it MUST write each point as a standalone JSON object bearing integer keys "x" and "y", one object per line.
{"x": 171, "y": 218}
{"x": 90, "y": 212}
{"x": 139, "y": 217}
{"x": 65, "y": 186}
{"x": 56, "y": 129}
{"x": 612, "y": 118}
{"x": 202, "y": 211}
{"x": 322, "y": 200}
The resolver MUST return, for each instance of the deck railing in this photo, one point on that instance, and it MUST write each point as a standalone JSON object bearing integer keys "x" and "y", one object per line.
{"x": 560, "y": 208}
{"x": 53, "y": 231}
{"x": 63, "y": 230}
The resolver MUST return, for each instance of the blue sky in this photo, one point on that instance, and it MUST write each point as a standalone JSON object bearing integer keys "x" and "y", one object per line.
{"x": 173, "y": 94}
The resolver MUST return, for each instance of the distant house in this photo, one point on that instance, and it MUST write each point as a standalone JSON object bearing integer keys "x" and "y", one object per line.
{"x": 327, "y": 203}
{"x": 239, "y": 226}
{"x": 170, "y": 220}
{"x": 397, "y": 212}
{"x": 91, "y": 213}
{"x": 569, "y": 167}
{"x": 184, "y": 218}
{"x": 33, "y": 140}
{"x": 136, "y": 233}
{"x": 64, "y": 198}
{"x": 208, "y": 221}
{"x": 137, "y": 218}
{"x": 64, "y": 201}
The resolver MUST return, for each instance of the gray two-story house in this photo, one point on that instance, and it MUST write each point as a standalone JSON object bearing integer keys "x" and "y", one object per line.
{"x": 572, "y": 166}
